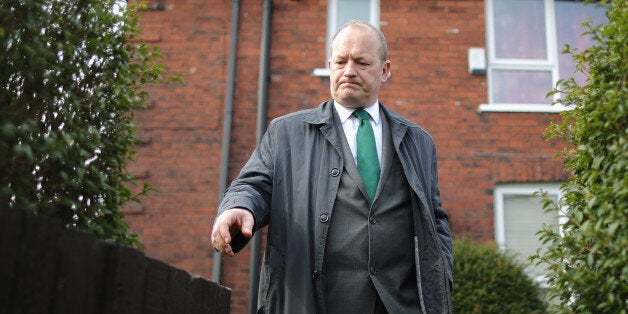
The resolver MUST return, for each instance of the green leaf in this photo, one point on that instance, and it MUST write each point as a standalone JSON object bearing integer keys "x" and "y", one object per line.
{"x": 70, "y": 80}
{"x": 587, "y": 262}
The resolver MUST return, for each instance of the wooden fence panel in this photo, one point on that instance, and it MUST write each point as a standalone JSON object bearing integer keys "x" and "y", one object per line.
{"x": 37, "y": 265}
{"x": 11, "y": 234}
{"x": 125, "y": 281}
{"x": 45, "y": 268}
{"x": 178, "y": 282}
{"x": 80, "y": 278}
{"x": 155, "y": 298}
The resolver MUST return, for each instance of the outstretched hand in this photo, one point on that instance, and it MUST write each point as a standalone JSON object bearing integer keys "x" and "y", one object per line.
{"x": 227, "y": 225}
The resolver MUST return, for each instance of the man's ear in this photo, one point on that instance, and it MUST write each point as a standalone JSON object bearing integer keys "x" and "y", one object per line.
{"x": 386, "y": 70}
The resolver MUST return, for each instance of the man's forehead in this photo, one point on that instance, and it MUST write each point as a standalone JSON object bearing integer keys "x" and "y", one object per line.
{"x": 353, "y": 45}
{"x": 353, "y": 32}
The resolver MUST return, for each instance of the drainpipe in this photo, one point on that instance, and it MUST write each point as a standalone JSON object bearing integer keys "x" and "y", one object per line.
{"x": 262, "y": 109}
{"x": 226, "y": 123}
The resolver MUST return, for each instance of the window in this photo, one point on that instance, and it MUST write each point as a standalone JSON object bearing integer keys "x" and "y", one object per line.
{"x": 518, "y": 217}
{"x": 340, "y": 12}
{"x": 525, "y": 44}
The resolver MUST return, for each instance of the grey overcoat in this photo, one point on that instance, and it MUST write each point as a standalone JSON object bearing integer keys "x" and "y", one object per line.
{"x": 290, "y": 183}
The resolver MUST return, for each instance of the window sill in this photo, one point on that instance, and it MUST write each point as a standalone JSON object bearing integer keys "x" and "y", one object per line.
{"x": 530, "y": 108}
{"x": 321, "y": 72}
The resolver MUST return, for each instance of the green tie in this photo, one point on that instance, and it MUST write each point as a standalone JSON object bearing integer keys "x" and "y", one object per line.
{"x": 368, "y": 162}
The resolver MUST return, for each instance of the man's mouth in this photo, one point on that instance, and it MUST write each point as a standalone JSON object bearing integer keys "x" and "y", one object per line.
{"x": 350, "y": 83}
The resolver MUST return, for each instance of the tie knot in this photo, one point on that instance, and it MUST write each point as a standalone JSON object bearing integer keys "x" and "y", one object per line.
{"x": 361, "y": 114}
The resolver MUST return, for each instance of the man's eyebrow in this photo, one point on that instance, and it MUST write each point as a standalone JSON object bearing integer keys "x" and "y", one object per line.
{"x": 363, "y": 58}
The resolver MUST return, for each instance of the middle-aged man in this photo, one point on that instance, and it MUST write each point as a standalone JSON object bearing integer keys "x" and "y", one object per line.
{"x": 350, "y": 193}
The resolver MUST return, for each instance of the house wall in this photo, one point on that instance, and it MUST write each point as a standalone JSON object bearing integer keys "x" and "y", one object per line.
{"x": 181, "y": 130}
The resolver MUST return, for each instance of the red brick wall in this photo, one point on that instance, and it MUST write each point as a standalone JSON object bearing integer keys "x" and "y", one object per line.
{"x": 428, "y": 42}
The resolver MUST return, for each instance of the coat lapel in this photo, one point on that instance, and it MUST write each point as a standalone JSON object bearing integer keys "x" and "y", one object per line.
{"x": 398, "y": 129}
{"x": 349, "y": 163}
{"x": 388, "y": 153}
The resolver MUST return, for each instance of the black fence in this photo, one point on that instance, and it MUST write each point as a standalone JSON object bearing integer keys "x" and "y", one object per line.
{"x": 45, "y": 268}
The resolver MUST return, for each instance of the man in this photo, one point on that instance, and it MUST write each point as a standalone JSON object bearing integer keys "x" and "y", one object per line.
{"x": 341, "y": 239}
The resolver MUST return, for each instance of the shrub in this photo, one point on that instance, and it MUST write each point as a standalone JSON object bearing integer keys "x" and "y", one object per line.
{"x": 588, "y": 258}
{"x": 69, "y": 83}
{"x": 487, "y": 280}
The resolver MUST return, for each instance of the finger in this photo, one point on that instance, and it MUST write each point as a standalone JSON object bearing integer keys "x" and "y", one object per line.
{"x": 218, "y": 239}
{"x": 224, "y": 235}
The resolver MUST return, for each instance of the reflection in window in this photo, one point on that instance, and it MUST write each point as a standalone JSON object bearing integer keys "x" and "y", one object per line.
{"x": 520, "y": 29}
{"x": 568, "y": 32}
{"x": 529, "y": 36}
{"x": 521, "y": 86}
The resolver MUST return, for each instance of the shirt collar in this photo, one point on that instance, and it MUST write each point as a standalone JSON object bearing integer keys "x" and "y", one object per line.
{"x": 345, "y": 113}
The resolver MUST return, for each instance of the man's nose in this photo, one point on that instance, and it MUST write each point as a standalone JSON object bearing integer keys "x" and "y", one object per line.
{"x": 350, "y": 69}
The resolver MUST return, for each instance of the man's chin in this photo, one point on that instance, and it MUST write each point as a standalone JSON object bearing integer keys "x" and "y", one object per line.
{"x": 351, "y": 103}
{"x": 351, "y": 98}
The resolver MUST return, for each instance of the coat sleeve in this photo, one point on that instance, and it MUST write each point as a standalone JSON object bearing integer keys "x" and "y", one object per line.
{"x": 252, "y": 188}
{"x": 441, "y": 220}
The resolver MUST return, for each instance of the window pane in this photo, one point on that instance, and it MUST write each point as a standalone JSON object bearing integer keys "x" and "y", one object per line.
{"x": 519, "y": 29}
{"x": 352, "y": 10}
{"x": 523, "y": 218}
{"x": 569, "y": 18}
{"x": 515, "y": 86}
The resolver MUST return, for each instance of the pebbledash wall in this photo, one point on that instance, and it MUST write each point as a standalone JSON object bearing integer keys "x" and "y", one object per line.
{"x": 181, "y": 131}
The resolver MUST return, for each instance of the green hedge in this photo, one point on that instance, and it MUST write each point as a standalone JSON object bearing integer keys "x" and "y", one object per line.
{"x": 70, "y": 81}
{"x": 588, "y": 258}
{"x": 489, "y": 281}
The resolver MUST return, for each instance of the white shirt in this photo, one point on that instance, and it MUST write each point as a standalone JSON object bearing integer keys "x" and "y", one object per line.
{"x": 350, "y": 125}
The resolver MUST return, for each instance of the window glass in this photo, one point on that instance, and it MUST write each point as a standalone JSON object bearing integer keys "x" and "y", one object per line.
{"x": 519, "y": 29}
{"x": 525, "y": 43}
{"x": 569, "y": 18}
{"x": 528, "y": 87}
{"x": 348, "y": 10}
{"x": 523, "y": 218}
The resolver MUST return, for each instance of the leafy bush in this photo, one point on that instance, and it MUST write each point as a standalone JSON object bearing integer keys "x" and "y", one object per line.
{"x": 487, "y": 280}
{"x": 69, "y": 83}
{"x": 589, "y": 260}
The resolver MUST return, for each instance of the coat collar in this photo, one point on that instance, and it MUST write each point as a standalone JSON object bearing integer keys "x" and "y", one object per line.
{"x": 323, "y": 114}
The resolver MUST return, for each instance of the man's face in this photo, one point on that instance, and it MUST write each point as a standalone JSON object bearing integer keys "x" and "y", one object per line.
{"x": 357, "y": 70}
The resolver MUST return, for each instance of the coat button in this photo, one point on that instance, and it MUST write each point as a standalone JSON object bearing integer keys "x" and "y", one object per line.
{"x": 372, "y": 270}
{"x": 373, "y": 221}
{"x": 334, "y": 172}
{"x": 315, "y": 274}
{"x": 324, "y": 218}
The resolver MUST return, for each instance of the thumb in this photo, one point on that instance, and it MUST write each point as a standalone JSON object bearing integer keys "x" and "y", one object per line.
{"x": 247, "y": 226}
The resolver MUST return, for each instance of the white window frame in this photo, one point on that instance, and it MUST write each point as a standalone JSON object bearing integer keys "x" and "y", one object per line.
{"x": 525, "y": 189}
{"x": 332, "y": 14}
{"x": 549, "y": 64}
